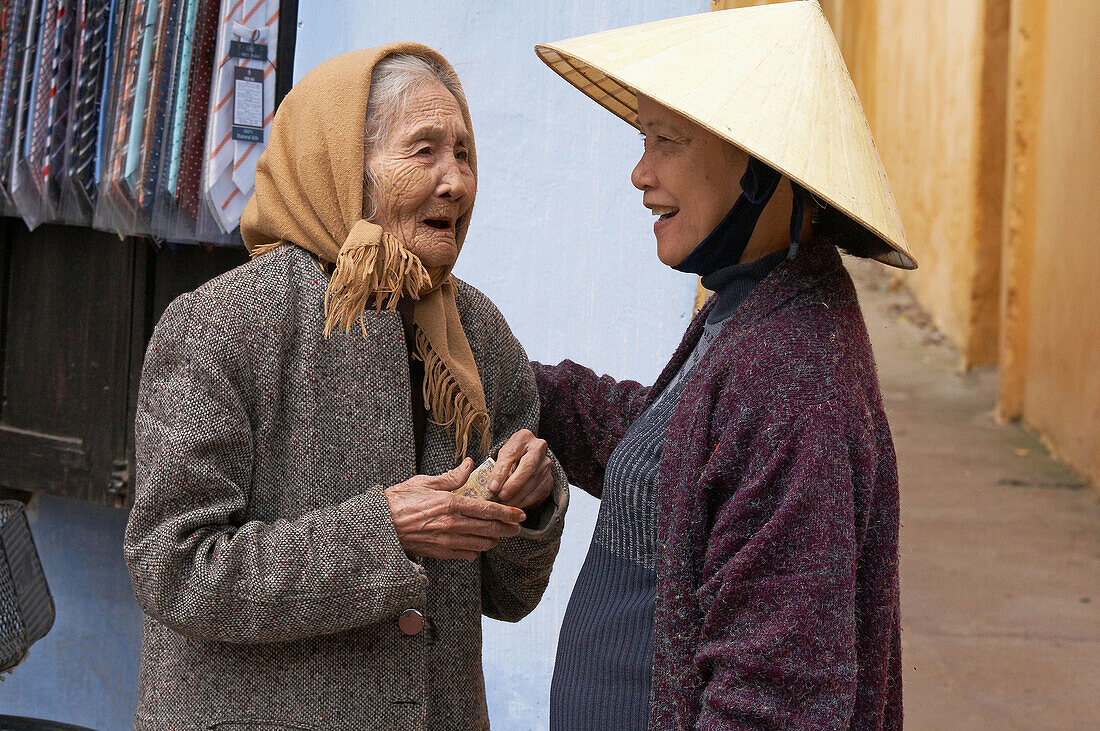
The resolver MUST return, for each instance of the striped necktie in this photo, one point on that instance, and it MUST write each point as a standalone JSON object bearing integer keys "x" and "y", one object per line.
{"x": 122, "y": 101}
{"x": 231, "y": 164}
{"x": 146, "y": 43}
{"x": 91, "y": 19}
{"x": 245, "y": 154}
{"x": 38, "y": 122}
{"x": 23, "y": 196}
{"x": 114, "y": 39}
{"x": 162, "y": 73}
{"x": 25, "y": 96}
{"x": 11, "y": 61}
{"x": 60, "y": 98}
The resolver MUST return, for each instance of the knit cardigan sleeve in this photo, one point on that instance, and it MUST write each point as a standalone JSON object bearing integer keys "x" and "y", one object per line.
{"x": 515, "y": 573}
{"x": 195, "y": 563}
{"x": 584, "y": 417}
{"x": 779, "y": 575}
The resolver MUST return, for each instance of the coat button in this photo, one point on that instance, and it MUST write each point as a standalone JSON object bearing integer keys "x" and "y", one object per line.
{"x": 411, "y": 622}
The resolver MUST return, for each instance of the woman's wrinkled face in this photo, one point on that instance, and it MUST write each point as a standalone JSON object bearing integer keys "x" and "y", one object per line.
{"x": 688, "y": 176}
{"x": 425, "y": 183}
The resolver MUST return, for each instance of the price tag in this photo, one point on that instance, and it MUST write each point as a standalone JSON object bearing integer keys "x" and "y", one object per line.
{"x": 248, "y": 104}
{"x": 249, "y": 51}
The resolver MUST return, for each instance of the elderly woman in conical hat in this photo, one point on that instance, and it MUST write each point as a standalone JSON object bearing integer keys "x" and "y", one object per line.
{"x": 295, "y": 543}
{"x": 743, "y": 567}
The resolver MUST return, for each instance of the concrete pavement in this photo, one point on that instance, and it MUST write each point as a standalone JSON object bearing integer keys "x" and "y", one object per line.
{"x": 1000, "y": 544}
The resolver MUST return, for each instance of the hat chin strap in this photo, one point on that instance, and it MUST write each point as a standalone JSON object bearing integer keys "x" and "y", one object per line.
{"x": 725, "y": 245}
{"x": 796, "y": 219}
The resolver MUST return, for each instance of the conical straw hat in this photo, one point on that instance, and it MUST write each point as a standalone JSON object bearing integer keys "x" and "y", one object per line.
{"x": 769, "y": 79}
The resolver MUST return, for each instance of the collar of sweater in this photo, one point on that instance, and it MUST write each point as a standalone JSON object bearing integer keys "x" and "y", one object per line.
{"x": 817, "y": 259}
{"x": 732, "y": 284}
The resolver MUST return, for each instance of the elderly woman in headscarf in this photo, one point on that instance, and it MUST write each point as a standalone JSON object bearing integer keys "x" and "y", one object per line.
{"x": 743, "y": 569}
{"x": 295, "y": 543}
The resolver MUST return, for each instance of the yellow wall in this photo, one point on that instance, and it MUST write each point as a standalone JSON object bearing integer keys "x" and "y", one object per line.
{"x": 986, "y": 115}
{"x": 933, "y": 75}
{"x": 1061, "y": 384}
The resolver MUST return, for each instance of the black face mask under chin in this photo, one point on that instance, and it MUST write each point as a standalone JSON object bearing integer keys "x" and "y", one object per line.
{"x": 725, "y": 245}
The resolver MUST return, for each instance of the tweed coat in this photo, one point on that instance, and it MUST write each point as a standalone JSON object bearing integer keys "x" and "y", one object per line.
{"x": 261, "y": 546}
{"x": 777, "y": 555}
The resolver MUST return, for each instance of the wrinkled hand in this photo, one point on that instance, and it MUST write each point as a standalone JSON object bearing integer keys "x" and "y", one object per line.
{"x": 430, "y": 521}
{"x": 522, "y": 475}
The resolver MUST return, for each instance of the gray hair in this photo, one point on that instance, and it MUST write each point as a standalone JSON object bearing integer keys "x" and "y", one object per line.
{"x": 392, "y": 80}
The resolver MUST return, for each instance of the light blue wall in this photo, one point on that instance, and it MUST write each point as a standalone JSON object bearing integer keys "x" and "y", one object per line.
{"x": 559, "y": 239}
{"x": 84, "y": 671}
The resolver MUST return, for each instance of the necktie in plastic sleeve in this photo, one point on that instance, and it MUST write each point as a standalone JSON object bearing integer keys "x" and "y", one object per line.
{"x": 14, "y": 22}
{"x": 33, "y": 204}
{"x": 113, "y": 211}
{"x": 91, "y": 20}
{"x": 131, "y": 171}
{"x": 60, "y": 100}
{"x": 179, "y": 102}
{"x": 194, "y": 127}
{"x": 28, "y": 203}
{"x": 241, "y": 106}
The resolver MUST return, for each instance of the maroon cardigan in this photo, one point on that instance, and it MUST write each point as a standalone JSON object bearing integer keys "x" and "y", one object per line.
{"x": 777, "y": 573}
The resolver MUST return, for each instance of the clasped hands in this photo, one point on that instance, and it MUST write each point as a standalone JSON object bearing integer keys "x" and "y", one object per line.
{"x": 430, "y": 521}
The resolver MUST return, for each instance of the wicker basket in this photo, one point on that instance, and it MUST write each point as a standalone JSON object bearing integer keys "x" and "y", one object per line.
{"x": 26, "y": 607}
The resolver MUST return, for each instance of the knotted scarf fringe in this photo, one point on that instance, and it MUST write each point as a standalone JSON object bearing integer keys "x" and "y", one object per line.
{"x": 380, "y": 268}
{"x": 264, "y": 248}
{"x": 450, "y": 407}
{"x": 385, "y": 270}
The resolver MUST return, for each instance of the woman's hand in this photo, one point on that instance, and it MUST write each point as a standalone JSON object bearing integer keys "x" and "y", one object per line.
{"x": 430, "y": 521}
{"x": 522, "y": 475}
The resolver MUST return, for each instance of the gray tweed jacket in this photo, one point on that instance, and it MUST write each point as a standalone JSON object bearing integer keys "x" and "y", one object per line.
{"x": 260, "y": 544}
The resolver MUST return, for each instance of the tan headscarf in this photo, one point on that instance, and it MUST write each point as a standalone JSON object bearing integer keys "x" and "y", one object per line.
{"x": 309, "y": 192}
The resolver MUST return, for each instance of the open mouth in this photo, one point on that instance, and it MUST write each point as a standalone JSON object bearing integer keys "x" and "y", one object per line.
{"x": 664, "y": 212}
{"x": 439, "y": 224}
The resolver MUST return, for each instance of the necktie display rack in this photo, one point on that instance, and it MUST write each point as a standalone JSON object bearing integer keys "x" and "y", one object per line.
{"x": 137, "y": 117}
{"x": 110, "y": 126}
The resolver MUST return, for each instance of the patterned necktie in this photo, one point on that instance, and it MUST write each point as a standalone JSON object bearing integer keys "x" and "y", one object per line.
{"x": 129, "y": 50}
{"x": 39, "y": 114}
{"x": 21, "y": 188}
{"x": 24, "y": 97}
{"x": 162, "y": 74}
{"x": 146, "y": 44}
{"x": 194, "y": 128}
{"x": 231, "y": 163}
{"x": 179, "y": 104}
{"x": 11, "y": 58}
{"x": 91, "y": 19}
{"x": 115, "y": 30}
{"x": 60, "y": 97}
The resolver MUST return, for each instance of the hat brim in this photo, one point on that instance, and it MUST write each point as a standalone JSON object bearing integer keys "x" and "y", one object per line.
{"x": 626, "y": 49}
{"x": 621, "y": 99}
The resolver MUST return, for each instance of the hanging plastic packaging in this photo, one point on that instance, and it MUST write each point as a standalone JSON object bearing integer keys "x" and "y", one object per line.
{"x": 24, "y": 194}
{"x": 13, "y": 37}
{"x": 242, "y": 105}
{"x": 91, "y": 22}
